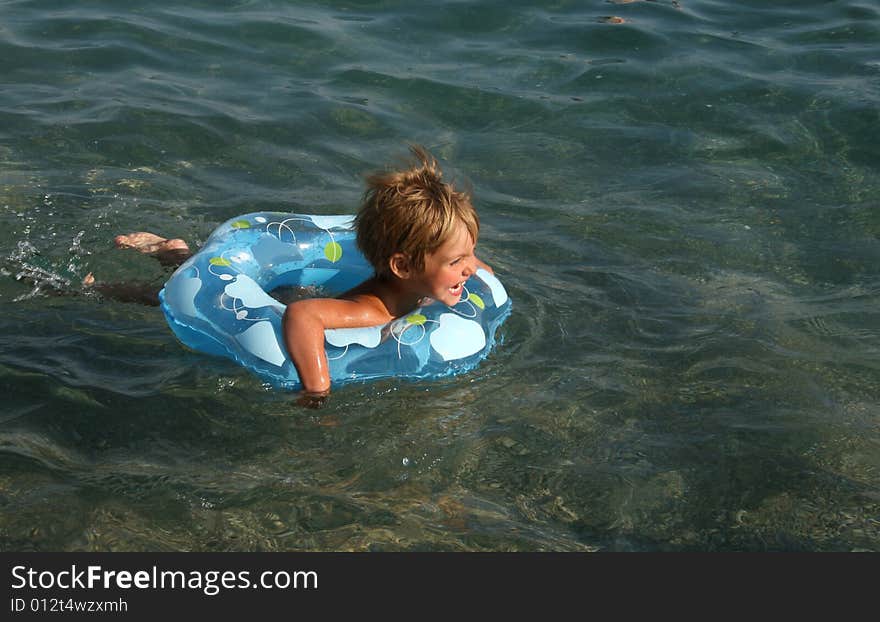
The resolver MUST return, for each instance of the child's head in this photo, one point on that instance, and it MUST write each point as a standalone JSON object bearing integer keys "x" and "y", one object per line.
{"x": 411, "y": 212}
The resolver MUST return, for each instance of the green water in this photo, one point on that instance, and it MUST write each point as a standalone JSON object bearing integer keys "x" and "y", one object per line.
{"x": 683, "y": 207}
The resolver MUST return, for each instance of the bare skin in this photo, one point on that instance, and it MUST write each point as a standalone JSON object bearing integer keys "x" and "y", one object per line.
{"x": 374, "y": 302}
{"x": 168, "y": 252}
{"x": 149, "y": 243}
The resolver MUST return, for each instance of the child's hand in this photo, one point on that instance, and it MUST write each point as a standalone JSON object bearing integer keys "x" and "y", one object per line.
{"x": 483, "y": 265}
{"x": 314, "y": 400}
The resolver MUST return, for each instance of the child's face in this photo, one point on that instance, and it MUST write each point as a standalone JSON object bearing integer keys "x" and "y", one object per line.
{"x": 448, "y": 267}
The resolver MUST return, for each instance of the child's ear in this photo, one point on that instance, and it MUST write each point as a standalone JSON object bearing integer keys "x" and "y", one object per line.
{"x": 400, "y": 266}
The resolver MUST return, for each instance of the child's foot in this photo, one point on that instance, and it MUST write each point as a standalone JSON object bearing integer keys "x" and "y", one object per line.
{"x": 150, "y": 243}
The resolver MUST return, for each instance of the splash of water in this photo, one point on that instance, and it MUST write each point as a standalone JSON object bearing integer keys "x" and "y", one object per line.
{"x": 31, "y": 267}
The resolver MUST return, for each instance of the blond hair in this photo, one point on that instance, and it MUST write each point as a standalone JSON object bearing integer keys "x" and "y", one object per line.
{"x": 412, "y": 212}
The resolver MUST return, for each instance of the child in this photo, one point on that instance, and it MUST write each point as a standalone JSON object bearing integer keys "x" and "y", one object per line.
{"x": 419, "y": 235}
{"x": 417, "y": 232}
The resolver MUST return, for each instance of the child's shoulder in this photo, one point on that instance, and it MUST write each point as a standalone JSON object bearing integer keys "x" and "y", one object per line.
{"x": 376, "y": 297}
{"x": 370, "y": 302}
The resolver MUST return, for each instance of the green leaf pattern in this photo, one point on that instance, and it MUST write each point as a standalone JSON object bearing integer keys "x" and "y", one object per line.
{"x": 333, "y": 251}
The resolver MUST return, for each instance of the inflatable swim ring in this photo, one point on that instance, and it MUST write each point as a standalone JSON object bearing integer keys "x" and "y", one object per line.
{"x": 217, "y": 302}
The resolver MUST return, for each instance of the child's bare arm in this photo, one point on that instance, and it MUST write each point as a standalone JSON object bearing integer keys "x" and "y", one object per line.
{"x": 304, "y": 323}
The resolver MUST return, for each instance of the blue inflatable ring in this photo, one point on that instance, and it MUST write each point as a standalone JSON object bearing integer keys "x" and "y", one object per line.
{"x": 217, "y": 302}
